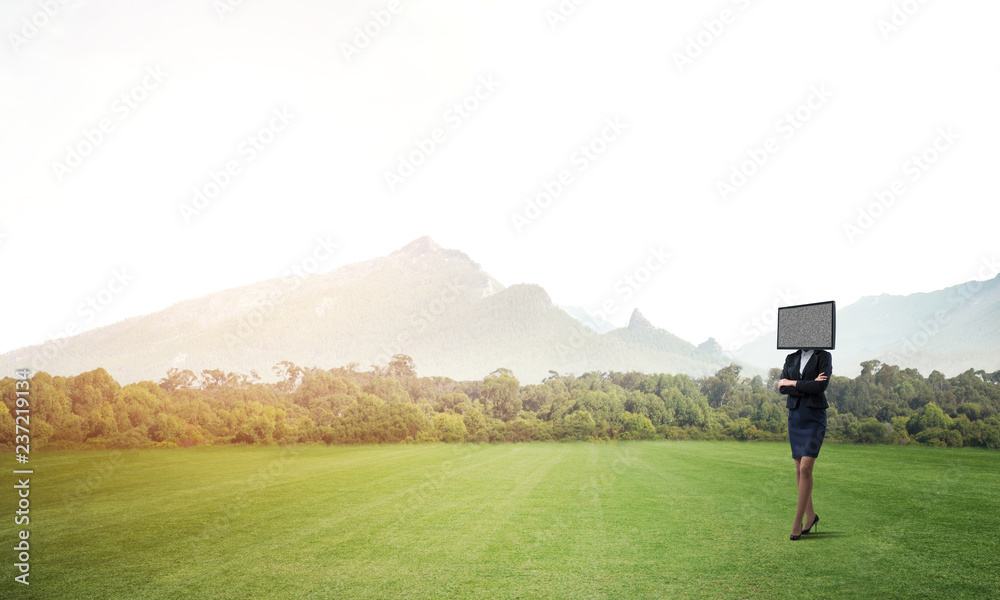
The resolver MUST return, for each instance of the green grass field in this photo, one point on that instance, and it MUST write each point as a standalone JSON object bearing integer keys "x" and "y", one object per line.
{"x": 580, "y": 520}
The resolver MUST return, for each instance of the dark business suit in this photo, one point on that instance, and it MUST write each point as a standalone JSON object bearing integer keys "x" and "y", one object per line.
{"x": 806, "y": 401}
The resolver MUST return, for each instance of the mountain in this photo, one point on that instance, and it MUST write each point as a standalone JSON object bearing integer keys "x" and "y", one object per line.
{"x": 949, "y": 330}
{"x": 434, "y": 304}
{"x": 596, "y": 323}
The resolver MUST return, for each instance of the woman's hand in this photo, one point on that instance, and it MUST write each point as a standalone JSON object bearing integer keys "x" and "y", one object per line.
{"x": 791, "y": 382}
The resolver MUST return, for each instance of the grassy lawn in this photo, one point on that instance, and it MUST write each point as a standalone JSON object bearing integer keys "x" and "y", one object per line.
{"x": 581, "y": 520}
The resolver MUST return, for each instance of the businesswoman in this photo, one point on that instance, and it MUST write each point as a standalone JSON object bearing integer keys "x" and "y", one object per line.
{"x": 803, "y": 380}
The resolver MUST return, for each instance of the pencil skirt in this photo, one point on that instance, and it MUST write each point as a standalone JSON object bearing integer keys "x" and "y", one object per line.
{"x": 806, "y": 430}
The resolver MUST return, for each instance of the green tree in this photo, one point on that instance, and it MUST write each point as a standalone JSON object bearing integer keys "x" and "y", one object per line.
{"x": 322, "y": 389}
{"x": 401, "y": 366}
{"x": 89, "y": 390}
{"x": 177, "y": 379}
{"x": 742, "y": 429}
{"x": 289, "y": 376}
{"x": 719, "y": 388}
{"x": 390, "y": 390}
{"x": 7, "y": 427}
{"x": 636, "y": 427}
{"x": 898, "y": 435}
{"x": 49, "y": 400}
{"x": 139, "y": 403}
{"x": 214, "y": 379}
{"x": 475, "y": 422}
{"x": 931, "y": 417}
{"x": 451, "y": 402}
{"x": 870, "y": 431}
{"x": 166, "y": 427}
{"x": 449, "y": 427}
{"x": 526, "y": 428}
{"x": 501, "y": 396}
{"x": 101, "y": 422}
{"x": 577, "y": 426}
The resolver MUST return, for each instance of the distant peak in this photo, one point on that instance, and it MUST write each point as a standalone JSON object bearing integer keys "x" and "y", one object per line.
{"x": 531, "y": 291}
{"x": 710, "y": 346}
{"x": 419, "y": 246}
{"x": 638, "y": 322}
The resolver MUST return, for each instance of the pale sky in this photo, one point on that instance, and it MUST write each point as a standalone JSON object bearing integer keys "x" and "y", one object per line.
{"x": 634, "y": 115}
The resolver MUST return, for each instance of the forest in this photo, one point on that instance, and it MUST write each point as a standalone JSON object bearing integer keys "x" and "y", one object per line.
{"x": 391, "y": 404}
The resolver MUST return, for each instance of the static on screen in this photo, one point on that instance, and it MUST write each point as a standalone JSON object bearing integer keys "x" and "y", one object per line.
{"x": 807, "y": 326}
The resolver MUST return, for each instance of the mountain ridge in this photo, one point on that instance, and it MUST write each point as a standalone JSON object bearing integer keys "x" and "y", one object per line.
{"x": 435, "y": 304}
{"x": 950, "y": 330}
{"x": 454, "y": 319}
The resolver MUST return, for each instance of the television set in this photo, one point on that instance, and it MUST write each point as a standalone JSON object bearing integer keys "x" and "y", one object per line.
{"x": 808, "y": 326}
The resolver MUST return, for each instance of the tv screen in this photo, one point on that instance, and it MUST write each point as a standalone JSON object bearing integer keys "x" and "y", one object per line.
{"x": 807, "y": 326}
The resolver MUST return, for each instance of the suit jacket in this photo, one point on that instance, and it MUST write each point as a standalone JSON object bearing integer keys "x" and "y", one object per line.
{"x": 807, "y": 391}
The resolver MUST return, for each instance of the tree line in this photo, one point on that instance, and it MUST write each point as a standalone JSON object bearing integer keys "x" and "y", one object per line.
{"x": 391, "y": 404}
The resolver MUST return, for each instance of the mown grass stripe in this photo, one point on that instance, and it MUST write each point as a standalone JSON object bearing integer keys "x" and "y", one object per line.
{"x": 568, "y": 520}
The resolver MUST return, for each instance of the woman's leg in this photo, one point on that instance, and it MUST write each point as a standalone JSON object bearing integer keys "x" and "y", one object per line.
{"x": 798, "y": 487}
{"x": 803, "y": 472}
{"x": 810, "y": 513}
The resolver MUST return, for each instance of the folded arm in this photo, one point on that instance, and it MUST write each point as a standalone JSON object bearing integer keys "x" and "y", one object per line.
{"x": 803, "y": 387}
{"x": 786, "y": 385}
{"x": 818, "y": 386}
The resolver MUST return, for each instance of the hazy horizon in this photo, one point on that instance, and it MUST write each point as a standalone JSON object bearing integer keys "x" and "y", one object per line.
{"x": 764, "y": 322}
{"x": 758, "y": 154}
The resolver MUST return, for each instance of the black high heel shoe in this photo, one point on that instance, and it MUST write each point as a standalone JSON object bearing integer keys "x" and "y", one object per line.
{"x": 815, "y": 520}
{"x": 795, "y": 537}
